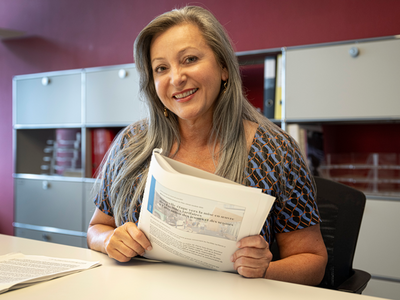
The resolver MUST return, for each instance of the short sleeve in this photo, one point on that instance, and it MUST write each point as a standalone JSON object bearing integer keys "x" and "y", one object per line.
{"x": 277, "y": 167}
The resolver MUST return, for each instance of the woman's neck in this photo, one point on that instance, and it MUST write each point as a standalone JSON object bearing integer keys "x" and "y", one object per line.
{"x": 195, "y": 134}
{"x": 196, "y": 148}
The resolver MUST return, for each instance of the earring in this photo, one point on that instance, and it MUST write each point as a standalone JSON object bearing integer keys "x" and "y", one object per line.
{"x": 225, "y": 87}
{"x": 165, "y": 112}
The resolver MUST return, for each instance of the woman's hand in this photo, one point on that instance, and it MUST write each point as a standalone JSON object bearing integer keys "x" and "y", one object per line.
{"x": 125, "y": 242}
{"x": 253, "y": 257}
{"x": 120, "y": 243}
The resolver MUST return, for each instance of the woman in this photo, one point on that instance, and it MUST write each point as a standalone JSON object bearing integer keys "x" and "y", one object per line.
{"x": 190, "y": 80}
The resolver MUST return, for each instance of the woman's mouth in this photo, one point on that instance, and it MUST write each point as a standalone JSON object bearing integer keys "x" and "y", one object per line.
{"x": 184, "y": 94}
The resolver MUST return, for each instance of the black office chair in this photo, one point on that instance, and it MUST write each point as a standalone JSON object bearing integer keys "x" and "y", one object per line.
{"x": 341, "y": 209}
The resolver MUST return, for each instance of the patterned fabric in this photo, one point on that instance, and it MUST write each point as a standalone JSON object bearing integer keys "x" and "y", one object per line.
{"x": 276, "y": 166}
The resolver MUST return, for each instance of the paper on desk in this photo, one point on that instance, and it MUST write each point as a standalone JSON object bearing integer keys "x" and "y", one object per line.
{"x": 18, "y": 270}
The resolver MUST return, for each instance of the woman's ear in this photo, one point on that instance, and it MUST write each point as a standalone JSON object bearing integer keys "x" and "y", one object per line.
{"x": 225, "y": 74}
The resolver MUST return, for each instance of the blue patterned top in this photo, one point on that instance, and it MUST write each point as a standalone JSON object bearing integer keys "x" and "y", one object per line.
{"x": 275, "y": 165}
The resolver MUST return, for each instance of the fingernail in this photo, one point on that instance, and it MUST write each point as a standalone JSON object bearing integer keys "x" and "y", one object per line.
{"x": 238, "y": 245}
{"x": 149, "y": 248}
{"x": 232, "y": 258}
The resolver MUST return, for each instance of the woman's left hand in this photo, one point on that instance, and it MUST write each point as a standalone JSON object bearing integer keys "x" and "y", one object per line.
{"x": 253, "y": 257}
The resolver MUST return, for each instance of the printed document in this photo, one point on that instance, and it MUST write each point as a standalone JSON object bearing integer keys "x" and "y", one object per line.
{"x": 18, "y": 270}
{"x": 196, "y": 218}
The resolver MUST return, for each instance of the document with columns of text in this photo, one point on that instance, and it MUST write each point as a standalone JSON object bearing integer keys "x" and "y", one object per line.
{"x": 193, "y": 217}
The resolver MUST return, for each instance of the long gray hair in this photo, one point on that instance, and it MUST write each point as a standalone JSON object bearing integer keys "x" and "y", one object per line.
{"x": 231, "y": 109}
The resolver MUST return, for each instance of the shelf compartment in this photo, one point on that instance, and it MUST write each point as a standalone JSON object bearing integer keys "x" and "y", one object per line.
{"x": 46, "y": 152}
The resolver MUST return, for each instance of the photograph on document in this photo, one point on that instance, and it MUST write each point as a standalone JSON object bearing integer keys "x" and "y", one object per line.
{"x": 195, "y": 214}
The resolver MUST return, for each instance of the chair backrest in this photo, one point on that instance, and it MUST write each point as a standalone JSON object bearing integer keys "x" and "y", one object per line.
{"x": 341, "y": 209}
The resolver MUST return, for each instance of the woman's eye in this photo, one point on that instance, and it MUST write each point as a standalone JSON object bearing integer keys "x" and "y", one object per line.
{"x": 191, "y": 59}
{"x": 159, "y": 69}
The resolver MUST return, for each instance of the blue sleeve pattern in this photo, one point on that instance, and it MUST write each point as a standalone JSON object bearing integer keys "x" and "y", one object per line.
{"x": 276, "y": 165}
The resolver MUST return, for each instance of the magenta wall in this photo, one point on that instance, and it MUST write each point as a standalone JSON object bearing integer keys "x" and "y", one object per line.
{"x": 70, "y": 34}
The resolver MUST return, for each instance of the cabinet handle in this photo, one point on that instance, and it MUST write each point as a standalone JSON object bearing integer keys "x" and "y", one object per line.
{"x": 122, "y": 74}
{"x": 45, "y": 185}
{"x": 354, "y": 52}
{"x": 46, "y": 237}
{"x": 46, "y": 81}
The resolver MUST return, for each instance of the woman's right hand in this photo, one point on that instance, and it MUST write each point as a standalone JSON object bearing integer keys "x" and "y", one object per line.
{"x": 125, "y": 242}
{"x": 121, "y": 243}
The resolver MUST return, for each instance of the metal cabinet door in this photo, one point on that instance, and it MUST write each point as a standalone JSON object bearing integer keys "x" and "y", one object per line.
{"x": 49, "y": 203}
{"x": 54, "y": 99}
{"x": 378, "y": 245}
{"x": 112, "y": 96}
{"x": 327, "y": 83}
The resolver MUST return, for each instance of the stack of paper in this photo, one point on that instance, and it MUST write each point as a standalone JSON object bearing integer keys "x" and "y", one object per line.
{"x": 18, "y": 270}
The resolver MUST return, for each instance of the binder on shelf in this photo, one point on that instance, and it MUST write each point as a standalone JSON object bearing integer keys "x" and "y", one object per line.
{"x": 253, "y": 84}
{"x": 269, "y": 86}
{"x": 101, "y": 141}
{"x": 278, "y": 88}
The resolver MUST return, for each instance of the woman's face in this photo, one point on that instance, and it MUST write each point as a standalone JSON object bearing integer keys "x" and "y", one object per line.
{"x": 186, "y": 73}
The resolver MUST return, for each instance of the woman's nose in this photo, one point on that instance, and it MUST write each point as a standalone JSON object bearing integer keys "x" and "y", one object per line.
{"x": 178, "y": 77}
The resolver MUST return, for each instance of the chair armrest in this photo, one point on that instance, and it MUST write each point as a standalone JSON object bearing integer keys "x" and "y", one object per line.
{"x": 355, "y": 283}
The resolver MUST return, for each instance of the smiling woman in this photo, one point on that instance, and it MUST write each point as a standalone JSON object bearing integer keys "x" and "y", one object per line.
{"x": 198, "y": 114}
{"x": 187, "y": 75}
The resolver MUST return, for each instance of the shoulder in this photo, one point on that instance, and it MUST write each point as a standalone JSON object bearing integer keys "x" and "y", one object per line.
{"x": 277, "y": 164}
{"x": 279, "y": 151}
{"x": 272, "y": 139}
{"x": 131, "y": 134}
{"x": 273, "y": 150}
{"x": 126, "y": 139}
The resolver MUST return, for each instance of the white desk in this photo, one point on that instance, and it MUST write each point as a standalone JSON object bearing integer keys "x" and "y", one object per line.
{"x": 144, "y": 280}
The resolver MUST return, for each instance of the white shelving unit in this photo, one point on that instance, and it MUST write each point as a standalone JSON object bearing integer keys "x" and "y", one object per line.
{"x": 346, "y": 83}
{"x": 49, "y": 206}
